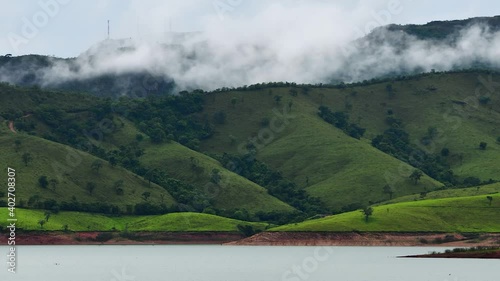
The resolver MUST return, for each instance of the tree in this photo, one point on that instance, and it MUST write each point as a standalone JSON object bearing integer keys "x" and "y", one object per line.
{"x": 415, "y": 176}
{"x": 27, "y": 158}
{"x": 445, "y": 152}
{"x": 118, "y": 186}
{"x": 146, "y": 195}
{"x": 157, "y": 135}
{"x": 17, "y": 144}
{"x": 151, "y": 175}
{"x": 112, "y": 161}
{"x": 490, "y": 198}
{"x": 215, "y": 176}
{"x": 220, "y": 117}
{"x": 390, "y": 90}
{"x": 483, "y": 145}
{"x": 389, "y": 190}
{"x": 277, "y": 99}
{"x": 367, "y": 212}
{"x": 43, "y": 182}
{"x": 246, "y": 230}
{"x": 234, "y": 100}
{"x": 96, "y": 166}
{"x": 47, "y": 216}
{"x": 53, "y": 183}
{"x": 90, "y": 187}
{"x": 139, "y": 137}
{"x": 41, "y": 223}
{"x": 484, "y": 100}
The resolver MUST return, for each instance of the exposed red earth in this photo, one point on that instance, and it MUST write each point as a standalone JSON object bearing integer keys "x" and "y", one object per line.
{"x": 11, "y": 127}
{"x": 89, "y": 238}
{"x": 262, "y": 239}
{"x": 11, "y": 123}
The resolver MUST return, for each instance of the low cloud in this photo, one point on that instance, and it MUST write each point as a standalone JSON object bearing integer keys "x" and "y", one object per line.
{"x": 302, "y": 43}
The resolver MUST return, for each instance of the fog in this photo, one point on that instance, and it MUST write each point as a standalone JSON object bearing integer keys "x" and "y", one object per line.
{"x": 303, "y": 43}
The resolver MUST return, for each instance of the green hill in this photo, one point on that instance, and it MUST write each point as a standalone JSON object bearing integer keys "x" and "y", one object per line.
{"x": 174, "y": 141}
{"x": 230, "y": 193}
{"x": 437, "y": 111}
{"x": 194, "y": 168}
{"x": 449, "y": 193}
{"x": 72, "y": 169}
{"x": 340, "y": 170}
{"x": 77, "y": 221}
{"x": 449, "y": 104}
{"x": 462, "y": 214}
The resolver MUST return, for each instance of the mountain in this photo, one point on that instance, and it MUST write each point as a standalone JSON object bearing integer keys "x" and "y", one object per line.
{"x": 276, "y": 153}
{"x": 135, "y": 68}
{"x": 440, "y": 30}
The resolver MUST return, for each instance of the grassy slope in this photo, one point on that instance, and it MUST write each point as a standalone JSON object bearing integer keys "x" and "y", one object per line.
{"x": 76, "y": 221}
{"x": 73, "y": 170}
{"x": 462, "y": 127}
{"x": 233, "y": 190}
{"x": 462, "y": 214}
{"x": 341, "y": 170}
{"x": 449, "y": 193}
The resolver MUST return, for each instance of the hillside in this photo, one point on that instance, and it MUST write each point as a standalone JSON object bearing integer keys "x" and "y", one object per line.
{"x": 90, "y": 72}
{"x": 230, "y": 192}
{"x": 176, "y": 222}
{"x": 439, "y": 30}
{"x": 322, "y": 149}
{"x": 436, "y": 215}
{"x": 68, "y": 173}
{"x": 449, "y": 193}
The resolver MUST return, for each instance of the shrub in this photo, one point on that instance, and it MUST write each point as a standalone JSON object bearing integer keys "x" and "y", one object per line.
{"x": 43, "y": 182}
{"x": 220, "y": 117}
{"x": 104, "y": 236}
{"x": 483, "y": 145}
{"x": 484, "y": 100}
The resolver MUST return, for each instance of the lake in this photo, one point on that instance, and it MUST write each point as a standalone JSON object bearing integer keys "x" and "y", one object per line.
{"x": 235, "y": 263}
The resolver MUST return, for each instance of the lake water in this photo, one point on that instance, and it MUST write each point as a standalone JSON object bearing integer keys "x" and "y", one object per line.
{"x": 228, "y": 263}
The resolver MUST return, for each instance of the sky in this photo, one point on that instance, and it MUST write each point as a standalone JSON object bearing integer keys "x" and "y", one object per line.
{"x": 66, "y": 28}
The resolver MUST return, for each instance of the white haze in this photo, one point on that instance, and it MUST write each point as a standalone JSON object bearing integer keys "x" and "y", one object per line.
{"x": 296, "y": 43}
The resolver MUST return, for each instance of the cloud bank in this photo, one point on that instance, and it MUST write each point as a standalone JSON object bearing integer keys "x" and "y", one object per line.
{"x": 302, "y": 43}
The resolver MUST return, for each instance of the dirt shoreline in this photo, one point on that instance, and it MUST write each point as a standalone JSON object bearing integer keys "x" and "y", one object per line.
{"x": 369, "y": 239}
{"x": 261, "y": 239}
{"x": 136, "y": 238}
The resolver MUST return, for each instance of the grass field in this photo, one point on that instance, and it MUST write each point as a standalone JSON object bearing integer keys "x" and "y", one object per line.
{"x": 77, "y": 221}
{"x": 342, "y": 170}
{"x": 463, "y": 214}
{"x": 331, "y": 165}
{"x": 448, "y": 193}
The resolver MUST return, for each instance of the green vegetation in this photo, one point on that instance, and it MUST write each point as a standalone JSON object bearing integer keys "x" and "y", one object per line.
{"x": 222, "y": 190}
{"x": 276, "y": 153}
{"x": 76, "y": 221}
{"x": 62, "y": 177}
{"x": 436, "y": 215}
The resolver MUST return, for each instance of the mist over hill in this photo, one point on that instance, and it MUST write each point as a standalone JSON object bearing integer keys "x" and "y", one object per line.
{"x": 211, "y": 60}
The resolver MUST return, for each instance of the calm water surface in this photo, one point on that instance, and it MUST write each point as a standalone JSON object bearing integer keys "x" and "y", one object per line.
{"x": 226, "y": 263}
